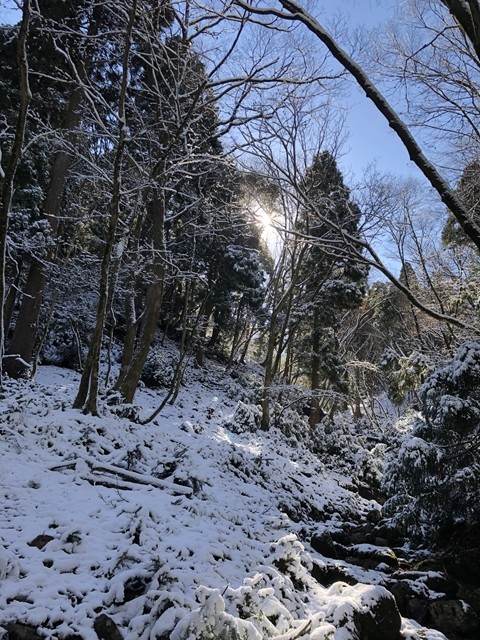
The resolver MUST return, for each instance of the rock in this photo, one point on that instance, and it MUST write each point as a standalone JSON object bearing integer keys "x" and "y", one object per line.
{"x": 374, "y": 516}
{"x": 19, "y": 631}
{"x": 441, "y": 583}
{"x": 472, "y": 596}
{"x": 327, "y": 574}
{"x": 369, "y": 557}
{"x": 385, "y": 529}
{"x": 368, "y": 492}
{"x": 450, "y": 616}
{"x": 412, "y": 599}
{"x": 381, "y": 622}
{"x": 340, "y": 536}
{"x": 324, "y": 545}
{"x": 40, "y": 541}
{"x": 360, "y": 534}
{"x": 134, "y": 587}
{"x": 106, "y": 629}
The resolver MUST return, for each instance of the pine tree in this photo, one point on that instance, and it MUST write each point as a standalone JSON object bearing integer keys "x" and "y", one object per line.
{"x": 332, "y": 281}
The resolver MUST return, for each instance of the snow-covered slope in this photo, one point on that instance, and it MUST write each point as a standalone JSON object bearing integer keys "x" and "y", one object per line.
{"x": 181, "y": 528}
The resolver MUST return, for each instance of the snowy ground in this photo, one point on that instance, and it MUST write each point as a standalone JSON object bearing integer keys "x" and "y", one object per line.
{"x": 176, "y": 529}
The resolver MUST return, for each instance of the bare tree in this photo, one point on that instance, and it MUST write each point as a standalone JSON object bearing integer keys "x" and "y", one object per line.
{"x": 467, "y": 18}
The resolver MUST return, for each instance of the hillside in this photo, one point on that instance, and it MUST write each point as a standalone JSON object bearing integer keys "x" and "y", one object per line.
{"x": 190, "y": 527}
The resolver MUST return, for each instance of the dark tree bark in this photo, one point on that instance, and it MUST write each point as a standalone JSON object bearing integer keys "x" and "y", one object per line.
{"x": 131, "y": 369}
{"x": 16, "y": 151}
{"x": 314, "y": 417}
{"x": 88, "y": 391}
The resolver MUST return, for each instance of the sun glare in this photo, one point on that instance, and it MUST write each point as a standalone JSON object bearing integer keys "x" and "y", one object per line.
{"x": 264, "y": 219}
{"x": 270, "y": 235}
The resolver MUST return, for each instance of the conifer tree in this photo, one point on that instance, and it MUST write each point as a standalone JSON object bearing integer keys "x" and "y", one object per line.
{"x": 331, "y": 280}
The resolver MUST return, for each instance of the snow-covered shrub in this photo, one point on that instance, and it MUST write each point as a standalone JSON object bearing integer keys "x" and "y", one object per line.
{"x": 404, "y": 373}
{"x": 159, "y": 368}
{"x": 370, "y": 463}
{"x": 244, "y": 384}
{"x": 434, "y": 477}
{"x": 291, "y": 559}
{"x": 291, "y": 422}
{"x": 211, "y": 622}
{"x": 65, "y": 346}
{"x": 245, "y": 418}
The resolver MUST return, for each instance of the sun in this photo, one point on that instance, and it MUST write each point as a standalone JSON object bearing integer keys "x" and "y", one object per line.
{"x": 269, "y": 233}
{"x": 264, "y": 219}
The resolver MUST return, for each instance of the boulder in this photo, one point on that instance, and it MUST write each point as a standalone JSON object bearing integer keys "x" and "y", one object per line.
{"x": 411, "y": 598}
{"x": 363, "y": 612}
{"x": 370, "y": 556}
{"x": 380, "y": 622}
{"x": 40, "y": 541}
{"x": 19, "y": 631}
{"x": 328, "y": 574}
{"x": 453, "y": 616}
{"x": 106, "y": 629}
{"x": 326, "y": 546}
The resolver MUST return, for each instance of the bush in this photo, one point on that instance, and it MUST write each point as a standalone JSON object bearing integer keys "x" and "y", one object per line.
{"x": 159, "y": 368}
{"x": 433, "y": 479}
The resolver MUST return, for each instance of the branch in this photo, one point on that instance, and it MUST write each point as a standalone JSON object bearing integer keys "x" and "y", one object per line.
{"x": 448, "y": 197}
{"x": 130, "y": 476}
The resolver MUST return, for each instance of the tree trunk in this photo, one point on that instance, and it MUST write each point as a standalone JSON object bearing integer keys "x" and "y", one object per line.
{"x": 16, "y": 151}
{"x": 202, "y": 331}
{"x": 22, "y": 343}
{"x": 10, "y": 300}
{"x": 247, "y": 342}
{"x": 236, "y": 334}
{"x": 314, "y": 417}
{"x": 131, "y": 372}
{"x": 88, "y": 389}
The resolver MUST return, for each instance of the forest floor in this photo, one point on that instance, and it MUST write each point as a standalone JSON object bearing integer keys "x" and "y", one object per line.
{"x": 189, "y": 527}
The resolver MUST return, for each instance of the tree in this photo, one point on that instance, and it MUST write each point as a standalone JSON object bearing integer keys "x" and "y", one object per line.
{"x": 433, "y": 478}
{"x": 62, "y": 76}
{"x": 466, "y": 19}
{"x": 428, "y": 54}
{"x": 331, "y": 281}
{"x": 184, "y": 147}
{"x": 89, "y": 384}
{"x": 8, "y": 176}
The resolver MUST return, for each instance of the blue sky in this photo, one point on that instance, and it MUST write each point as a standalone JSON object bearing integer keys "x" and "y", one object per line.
{"x": 8, "y": 11}
{"x": 370, "y": 138}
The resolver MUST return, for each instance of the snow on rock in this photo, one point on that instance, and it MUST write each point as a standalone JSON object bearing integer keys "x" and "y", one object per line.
{"x": 181, "y": 528}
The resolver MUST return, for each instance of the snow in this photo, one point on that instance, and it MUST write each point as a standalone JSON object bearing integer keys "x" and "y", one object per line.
{"x": 181, "y": 528}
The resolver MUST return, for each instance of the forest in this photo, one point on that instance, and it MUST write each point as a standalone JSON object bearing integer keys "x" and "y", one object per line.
{"x": 176, "y": 210}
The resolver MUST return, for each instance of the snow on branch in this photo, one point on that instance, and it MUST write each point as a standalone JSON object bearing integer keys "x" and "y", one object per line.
{"x": 447, "y": 195}
{"x": 88, "y": 468}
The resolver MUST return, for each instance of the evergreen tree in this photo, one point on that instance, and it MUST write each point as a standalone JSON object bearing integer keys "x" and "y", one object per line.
{"x": 332, "y": 281}
{"x": 61, "y": 55}
{"x": 433, "y": 478}
{"x": 468, "y": 190}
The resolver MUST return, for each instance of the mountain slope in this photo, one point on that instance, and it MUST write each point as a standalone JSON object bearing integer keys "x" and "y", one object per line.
{"x": 187, "y": 527}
